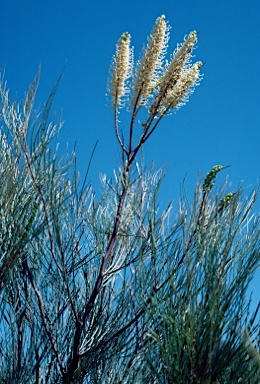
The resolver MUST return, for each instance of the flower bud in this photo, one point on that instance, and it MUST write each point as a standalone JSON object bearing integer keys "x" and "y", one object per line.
{"x": 208, "y": 182}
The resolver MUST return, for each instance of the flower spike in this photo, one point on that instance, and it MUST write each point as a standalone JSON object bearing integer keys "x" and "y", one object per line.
{"x": 121, "y": 68}
{"x": 179, "y": 95}
{"x": 176, "y": 84}
{"x": 151, "y": 62}
{"x": 208, "y": 182}
{"x": 177, "y": 65}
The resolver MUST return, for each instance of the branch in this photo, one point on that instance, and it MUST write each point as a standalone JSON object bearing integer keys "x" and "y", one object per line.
{"x": 116, "y": 129}
{"x": 43, "y": 316}
{"x": 131, "y": 155}
{"x": 75, "y": 355}
{"x": 134, "y": 113}
{"x": 158, "y": 288}
{"x": 64, "y": 275}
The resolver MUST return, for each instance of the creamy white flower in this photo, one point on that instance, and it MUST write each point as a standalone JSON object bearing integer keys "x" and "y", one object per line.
{"x": 173, "y": 85}
{"x": 179, "y": 94}
{"x": 121, "y": 68}
{"x": 151, "y": 62}
{"x": 177, "y": 65}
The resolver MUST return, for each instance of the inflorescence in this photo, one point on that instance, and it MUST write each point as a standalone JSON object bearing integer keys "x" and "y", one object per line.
{"x": 160, "y": 86}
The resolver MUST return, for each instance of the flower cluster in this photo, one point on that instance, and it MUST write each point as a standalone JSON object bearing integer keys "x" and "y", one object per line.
{"x": 169, "y": 85}
{"x": 176, "y": 84}
{"x": 208, "y": 182}
{"x": 150, "y": 65}
{"x": 121, "y": 68}
{"x": 177, "y": 94}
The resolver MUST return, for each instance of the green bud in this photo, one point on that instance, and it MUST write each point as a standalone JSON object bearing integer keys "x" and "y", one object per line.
{"x": 226, "y": 199}
{"x": 125, "y": 36}
{"x": 208, "y": 184}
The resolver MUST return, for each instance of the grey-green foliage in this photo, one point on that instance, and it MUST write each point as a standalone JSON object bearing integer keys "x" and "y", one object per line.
{"x": 173, "y": 304}
{"x": 53, "y": 240}
{"x": 115, "y": 289}
{"x": 204, "y": 332}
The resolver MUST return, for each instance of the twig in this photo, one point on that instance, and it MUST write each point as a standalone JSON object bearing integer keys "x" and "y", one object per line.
{"x": 43, "y": 316}
{"x": 134, "y": 113}
{"x": 72, "y": 303}
{"x": 158, "y": 288}
{"x": 27, "y": 157}
{"x": 75, "y": 355}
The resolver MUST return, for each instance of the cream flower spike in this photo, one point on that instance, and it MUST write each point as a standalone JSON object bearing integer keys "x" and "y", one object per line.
{"x": 169, "y": 86}
{"x": 181, "y": 57}
{"x": 121, "y": 69}
{"x": 151, "y": 62}
{"x": 179, "y": 95}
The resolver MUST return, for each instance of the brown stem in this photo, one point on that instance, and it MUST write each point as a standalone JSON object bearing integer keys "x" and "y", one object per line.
{"x": 75, "y": 356}
{"x": 117, "y": 131}
{"x": 145, "y": 135}
{"x": 72, "y": 303}
{"x": 134, "y": 113}
{"x": 79, "y": 327}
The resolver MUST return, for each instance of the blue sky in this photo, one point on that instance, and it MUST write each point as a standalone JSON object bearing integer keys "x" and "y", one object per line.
{"x": 220, "y": 124}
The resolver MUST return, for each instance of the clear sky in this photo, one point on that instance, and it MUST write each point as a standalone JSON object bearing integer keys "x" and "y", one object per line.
{"x": 220, "y": 124}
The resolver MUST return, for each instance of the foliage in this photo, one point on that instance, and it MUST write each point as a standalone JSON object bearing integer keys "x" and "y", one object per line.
{"x": 116, "y": 290}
